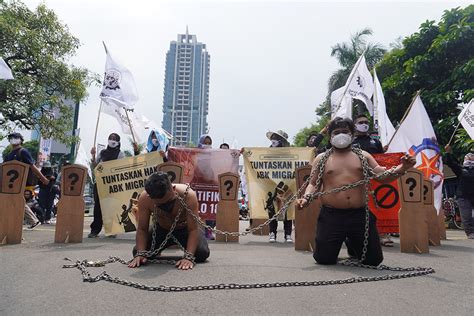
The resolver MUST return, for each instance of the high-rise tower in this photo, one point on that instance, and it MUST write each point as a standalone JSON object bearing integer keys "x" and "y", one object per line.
{"x": 186, "y": 91}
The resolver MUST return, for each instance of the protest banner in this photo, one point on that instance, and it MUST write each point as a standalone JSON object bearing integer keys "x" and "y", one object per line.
{"x": 201, "y": 170}
{"x": 267, "y": 168}
{"x": 387, "y": 195}
{"x": 119, "y": 182}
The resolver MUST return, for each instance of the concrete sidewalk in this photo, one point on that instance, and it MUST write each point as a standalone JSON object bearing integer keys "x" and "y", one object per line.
{"x": 33, "y": 282}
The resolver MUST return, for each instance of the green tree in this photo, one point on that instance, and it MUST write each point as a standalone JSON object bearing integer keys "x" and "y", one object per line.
{"x": 32, "y": 146}
{"x": 37, "y": 46}
{"x": 438, "y": 60}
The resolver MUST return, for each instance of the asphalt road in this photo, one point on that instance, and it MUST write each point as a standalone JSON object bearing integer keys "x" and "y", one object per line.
{"x": 33, "y": 282}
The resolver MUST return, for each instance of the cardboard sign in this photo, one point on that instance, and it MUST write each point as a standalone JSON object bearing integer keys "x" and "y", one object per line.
{"x": 412, "y": 216}
{"x": 70, "y": 217}
{"x": 306, "y": 219}
{"x": 13, "y": 175}
{"x": 431, "y": 213}
{"x": 174, "y": 171}
{"x": 227, "y": 218}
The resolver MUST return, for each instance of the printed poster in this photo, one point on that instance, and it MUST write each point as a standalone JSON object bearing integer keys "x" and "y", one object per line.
{"x": 201, "y": 170}
{"x": 119, "y": 182}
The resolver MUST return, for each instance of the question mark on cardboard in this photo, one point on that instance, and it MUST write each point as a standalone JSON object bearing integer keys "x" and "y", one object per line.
{"x": 13, "y": 174}
{"x": 425, "y": 190}
{"x": 411, "y": 185}
{"x": 75, "y": 178}
{"x": 229, "y": 185}
{"x": 171, "y": 176}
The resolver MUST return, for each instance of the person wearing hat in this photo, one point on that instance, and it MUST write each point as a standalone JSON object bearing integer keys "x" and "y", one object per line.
{"x": 23, "y": 155}
{"x": 112, "y": 152}
{"x": 280, "y": 139}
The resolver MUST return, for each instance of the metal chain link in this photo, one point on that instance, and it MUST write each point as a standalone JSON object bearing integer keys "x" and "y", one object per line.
{"x": 86, "y": 277}
{"x": 368, "y": 174}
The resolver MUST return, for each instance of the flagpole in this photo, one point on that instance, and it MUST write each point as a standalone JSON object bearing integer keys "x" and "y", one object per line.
{"x": 97, "y": 124}
{"x": 130, "y": 124}
{"x": 349, "y": 80}
{"x": 376, "y": 102}
{"x": 404, "y": 116}
{"x": 452, "y": 136}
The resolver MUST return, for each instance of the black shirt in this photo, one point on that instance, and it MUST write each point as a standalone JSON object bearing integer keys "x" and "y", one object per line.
{"x": 465, "y": 188}
{"x": 369, "y": 144}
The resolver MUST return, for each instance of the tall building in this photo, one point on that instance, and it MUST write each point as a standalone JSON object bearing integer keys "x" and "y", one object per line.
{"x": 186, "y": 91}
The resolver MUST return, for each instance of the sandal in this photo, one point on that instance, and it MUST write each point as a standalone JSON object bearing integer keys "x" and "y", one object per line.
{"x": 386, "y": 242}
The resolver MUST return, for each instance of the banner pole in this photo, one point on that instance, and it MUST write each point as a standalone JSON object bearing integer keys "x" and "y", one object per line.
{"x": 97, "y": 124}
{"x": 452, "y": 136}
{"x": 130, "y": 125}
{"x": 404, "y": 116}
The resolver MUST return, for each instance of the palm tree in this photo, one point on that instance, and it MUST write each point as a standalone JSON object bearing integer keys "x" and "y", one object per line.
{"x": 348, "y": 53}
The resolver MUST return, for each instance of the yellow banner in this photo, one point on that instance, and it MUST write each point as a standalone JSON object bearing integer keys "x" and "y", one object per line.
{"x": 270, "y": 171}
{"x": 118, "y": 182}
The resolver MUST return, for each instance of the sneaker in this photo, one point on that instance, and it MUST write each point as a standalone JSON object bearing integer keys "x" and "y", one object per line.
{"x": 47, "y": 222}
{"x": 93, "y": 235}
{"x": 272, "y": 237}
{"x": 288, "y": 239}
{"x": 33, "y": 226}
{"x": 470, "y": 236}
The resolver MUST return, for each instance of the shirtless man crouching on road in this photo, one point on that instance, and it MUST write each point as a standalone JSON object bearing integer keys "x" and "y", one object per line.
{"x": 343, "y": 214}
{"x": 161, "y": 195}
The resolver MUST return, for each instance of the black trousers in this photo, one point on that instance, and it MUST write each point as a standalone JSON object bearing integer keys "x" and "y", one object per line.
{"x": 96, "y": 225}
{"x": 273, "y": 225}
{"x": 338, "y": 225}
{"x": 202, "y": 249}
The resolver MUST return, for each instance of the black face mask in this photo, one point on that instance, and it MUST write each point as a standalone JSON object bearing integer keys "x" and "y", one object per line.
{"x": 168, "y": 206}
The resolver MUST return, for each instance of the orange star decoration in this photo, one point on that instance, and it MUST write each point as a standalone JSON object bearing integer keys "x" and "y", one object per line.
{"x": 428, "y": 166}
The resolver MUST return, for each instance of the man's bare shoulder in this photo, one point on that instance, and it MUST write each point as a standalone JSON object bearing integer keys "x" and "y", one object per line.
{"x": 145, "y": 201}
{"x": 318, "y": 158}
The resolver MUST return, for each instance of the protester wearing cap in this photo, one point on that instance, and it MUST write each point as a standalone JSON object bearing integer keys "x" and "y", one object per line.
{"x": 280, "y": 139}
{"x": 23, "y": 155}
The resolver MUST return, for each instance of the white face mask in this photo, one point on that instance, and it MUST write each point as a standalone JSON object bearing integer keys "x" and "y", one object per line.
{"x": 113, "y": 143}
{"x": 275, "y": 143}
{"x": 204, "y": 146}
{"x": 341, "y": 140}
{"x": 155, "y": 142}
{"x": 15, "y": 141}
{"x": 363, "y": 128}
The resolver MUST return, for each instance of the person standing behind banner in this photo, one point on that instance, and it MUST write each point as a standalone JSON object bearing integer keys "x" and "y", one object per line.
{"x": 158, "y": 142}
{"x": 112, "y": 152}
{"x": 224, "y": 146}
{"x": 47, "y": 193}
{"x": 280, "y": 139}
{"x": 465, "y": 188}
{"x": 23, "y": 155}
{"x": 372, "y": 146}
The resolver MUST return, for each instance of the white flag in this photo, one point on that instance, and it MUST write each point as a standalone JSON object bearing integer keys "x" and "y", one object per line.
{"x": 359, "y": 85}
{"x": 118, "y": 87}
{"x": 467, "y": 118}
{"x": 341, "y": 108}
{"x": 137, "y": 121}
{"x": 5, "y": 71}
{"x": 385, "y": 126}
{"x": 417, "y": 137}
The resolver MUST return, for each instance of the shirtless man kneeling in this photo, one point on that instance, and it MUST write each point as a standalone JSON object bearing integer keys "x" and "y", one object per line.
{"x": 162, "y": 196}
{"x": 343, "y": 214}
